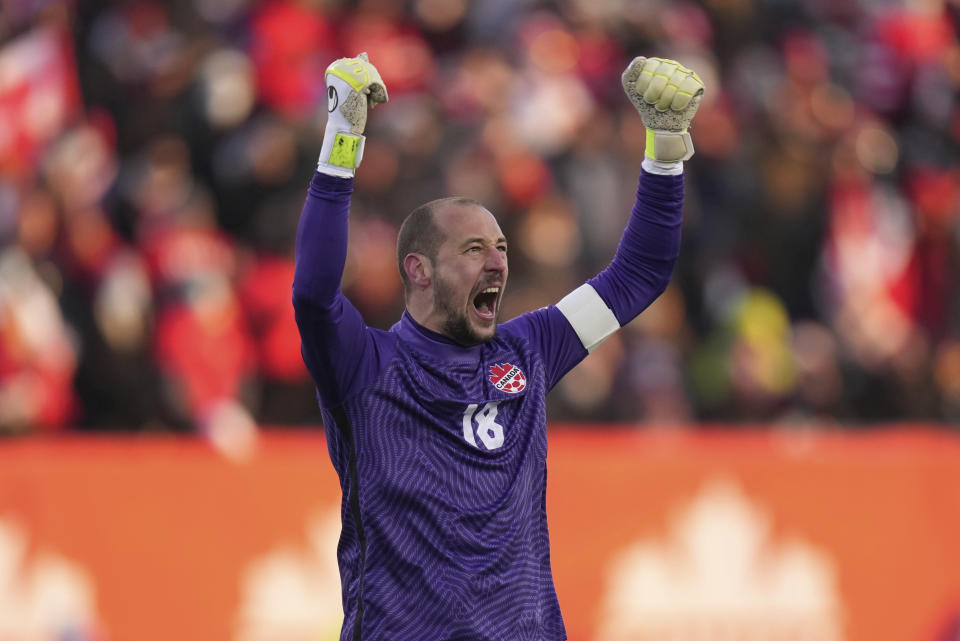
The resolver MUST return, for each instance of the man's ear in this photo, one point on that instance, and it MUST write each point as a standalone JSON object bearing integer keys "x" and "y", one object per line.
{"x": 419, "y": 269}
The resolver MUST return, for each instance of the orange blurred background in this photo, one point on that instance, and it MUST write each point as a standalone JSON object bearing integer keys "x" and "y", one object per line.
{"x": 655, "y": 536}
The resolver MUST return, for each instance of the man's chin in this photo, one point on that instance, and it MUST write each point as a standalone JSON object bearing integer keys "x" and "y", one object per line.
{"x": 486, "y": 333}
{"x": 468, "y": 333}
{"x": 483, "y": 330}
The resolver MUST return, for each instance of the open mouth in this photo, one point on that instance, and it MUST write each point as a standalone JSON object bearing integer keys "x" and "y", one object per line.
{"x": 485, "y": 303}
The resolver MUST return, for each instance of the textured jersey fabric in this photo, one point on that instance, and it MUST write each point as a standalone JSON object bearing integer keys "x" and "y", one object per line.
{"x": 441, "y": 449}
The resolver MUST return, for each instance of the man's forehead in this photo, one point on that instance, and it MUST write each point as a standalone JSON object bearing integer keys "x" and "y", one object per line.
{"x": 459, "y": 221}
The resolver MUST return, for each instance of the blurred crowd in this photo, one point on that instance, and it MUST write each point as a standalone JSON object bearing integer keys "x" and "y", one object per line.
{"x": 154, "y": 157}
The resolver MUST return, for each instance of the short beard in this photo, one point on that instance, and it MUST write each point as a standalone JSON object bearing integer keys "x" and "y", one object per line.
{"x": 456, "y": 324}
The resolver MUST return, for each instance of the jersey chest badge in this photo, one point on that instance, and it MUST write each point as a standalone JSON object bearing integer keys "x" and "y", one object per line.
{"x": 507, "y": 378}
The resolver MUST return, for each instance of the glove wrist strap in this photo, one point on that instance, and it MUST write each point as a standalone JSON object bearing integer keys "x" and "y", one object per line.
{"x": 661, "y": 168}
{"x": 668, "y": 146}
{"x": 341, "y": 153}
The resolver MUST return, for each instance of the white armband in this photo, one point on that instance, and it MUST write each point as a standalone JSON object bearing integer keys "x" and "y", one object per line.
{"x": 589, "y": 316}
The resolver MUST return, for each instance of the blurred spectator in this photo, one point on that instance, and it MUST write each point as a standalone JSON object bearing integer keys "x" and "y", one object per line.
{"x": 154, "y": 157}
{"x": 286, "y": 395}
{"x": 204, "y": 349}
{"x": 37, "y": 358}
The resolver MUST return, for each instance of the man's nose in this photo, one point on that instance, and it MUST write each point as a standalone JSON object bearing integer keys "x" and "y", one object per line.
{"x": 496, "y": 260}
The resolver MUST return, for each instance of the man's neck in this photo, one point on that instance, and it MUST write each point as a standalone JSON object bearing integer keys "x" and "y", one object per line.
{"x": 425, "y": 313}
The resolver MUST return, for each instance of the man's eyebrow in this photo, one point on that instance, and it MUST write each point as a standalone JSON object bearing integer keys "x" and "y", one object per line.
{"x": 477, "y": 239}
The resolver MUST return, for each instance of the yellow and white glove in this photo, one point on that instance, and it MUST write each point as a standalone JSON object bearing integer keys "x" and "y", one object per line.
{"x": 667, "y": 95}
{"x": 353, "y": 84}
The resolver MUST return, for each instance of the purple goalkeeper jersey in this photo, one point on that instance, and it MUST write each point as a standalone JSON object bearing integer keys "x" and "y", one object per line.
{"x": 441, "y": 449}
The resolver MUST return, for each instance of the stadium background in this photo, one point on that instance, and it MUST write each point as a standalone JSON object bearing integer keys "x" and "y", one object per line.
{"x": 153, "y": 160}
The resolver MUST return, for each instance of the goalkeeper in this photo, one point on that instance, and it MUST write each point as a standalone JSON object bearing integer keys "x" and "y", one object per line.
{"x": 437, "y": 427}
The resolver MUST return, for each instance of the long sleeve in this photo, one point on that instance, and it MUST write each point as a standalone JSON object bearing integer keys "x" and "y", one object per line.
{"x": 322, "y": 240}
{"x": 648, "y": 249}
{"x": 340, "y": 351}
{"x": 638, "y": 273}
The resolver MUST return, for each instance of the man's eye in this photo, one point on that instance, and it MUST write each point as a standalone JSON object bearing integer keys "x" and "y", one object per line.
{"x": 502, "y": 248}
{"x": 475, "y": 249}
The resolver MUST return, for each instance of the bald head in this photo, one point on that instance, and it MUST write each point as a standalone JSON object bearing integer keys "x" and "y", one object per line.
{"x": 420, "y": 232}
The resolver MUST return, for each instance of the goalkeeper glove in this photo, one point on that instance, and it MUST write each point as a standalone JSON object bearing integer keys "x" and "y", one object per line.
{"x": 667, "y": 95}
{"x": 353, "y": 84}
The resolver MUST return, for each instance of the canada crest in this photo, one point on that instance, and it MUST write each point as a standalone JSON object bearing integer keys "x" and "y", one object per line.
{"x": 507, "y": 378}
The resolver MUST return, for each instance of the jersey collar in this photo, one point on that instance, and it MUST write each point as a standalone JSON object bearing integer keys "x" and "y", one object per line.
{"x": 437, "y": 345}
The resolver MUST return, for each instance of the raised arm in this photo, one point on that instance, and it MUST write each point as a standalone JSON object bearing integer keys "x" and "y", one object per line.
{"x": 338, "y": 348}
{"x": 667, "y": 96}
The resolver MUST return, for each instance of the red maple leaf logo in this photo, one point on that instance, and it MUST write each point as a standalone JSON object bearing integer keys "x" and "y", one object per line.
{"x": 507, "y": 378}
